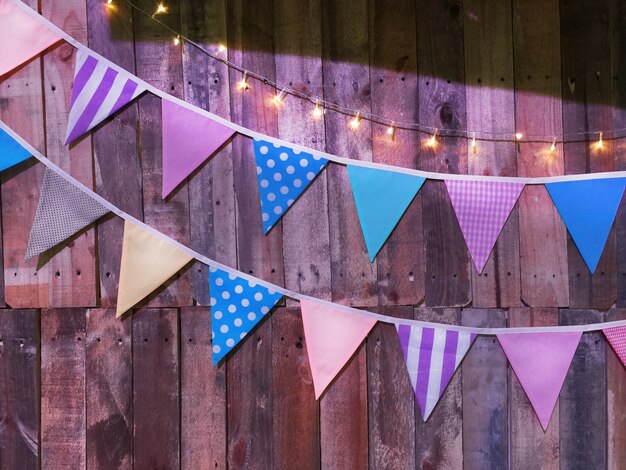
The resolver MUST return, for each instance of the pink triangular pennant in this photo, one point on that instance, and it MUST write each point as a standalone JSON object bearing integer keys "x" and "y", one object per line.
{"x": 617, "y": 338}
{"x": 189, "y": 138}
{"x": 482, "y": 208}
{"x": 332, "y": 336}
{"x": 21, "y": 35}
{"x": 541, "y": 362}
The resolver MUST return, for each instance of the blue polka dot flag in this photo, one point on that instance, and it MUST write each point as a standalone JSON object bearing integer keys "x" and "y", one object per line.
{"x": 237, "y": 305}
{"x": 284, "y": 174}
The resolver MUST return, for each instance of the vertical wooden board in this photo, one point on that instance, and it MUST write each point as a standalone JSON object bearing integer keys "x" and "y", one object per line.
{"x": 211, "y": 194}
{"x": 156, "y": 400}
{"x": 485, "y": 394}
{"x": 63, "y": 388}
{"x": 296, "y": 412}
{"x": 298, "y": 44}
{"x": 159, "y": 62}
{"x": 531, "y": 446}
{"x": 203, "y": 394}
{"x": 346, "y": 81}
{"x": 117, "y": 168}
{"x": 615, "y": 400}
{"x": 490, "y": 102}
{"x": 439, "y": 441}
{"x": 108, "y": 395}
{"x": 19, "y": 384}
{"x": 582, "y": 403}
{"x": 440, "y": 65}
{"x": 391, "y": 414}
{"x": 72, "y": 265}
{"x": 543, "y": 245}
{"x": 587, "y": 94}
{"x": 393, "y": 78}
{"x": 21, "y": 108}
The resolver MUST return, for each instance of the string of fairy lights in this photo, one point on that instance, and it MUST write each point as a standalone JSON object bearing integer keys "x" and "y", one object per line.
{"x": 321, "y": 106}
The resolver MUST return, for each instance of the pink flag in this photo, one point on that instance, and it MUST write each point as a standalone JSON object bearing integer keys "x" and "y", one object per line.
{"x": 21, "y": 35}
{"x": 617, "y": 338}
{"x": 332, "y": 336}
{"x": 541, "y": 362}
{"x": 189, "y": 138}
{"x": 482, "y": 208}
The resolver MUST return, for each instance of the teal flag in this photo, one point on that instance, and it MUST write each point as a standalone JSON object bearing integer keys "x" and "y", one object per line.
{"x": 11, "y": 153}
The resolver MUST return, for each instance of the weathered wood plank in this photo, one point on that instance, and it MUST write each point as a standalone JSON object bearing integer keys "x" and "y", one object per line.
{"x": 490, "y": 102}
{"x": 615, "y": 400}
{"x": 156, "y": 400}
{"x": 19, "y": 385}
{"x": 63, "y": 388}
{"x": 442, "y": 106}
{"x": 531, "y": 446}
{"x": 203, "y": 394}
{"x": 108, "y": 394}
{"x": 485, "y": 396}
{"x": 543, "y": 241}
{"x": 582, "y": 403}
{"x": 391, "y": 427}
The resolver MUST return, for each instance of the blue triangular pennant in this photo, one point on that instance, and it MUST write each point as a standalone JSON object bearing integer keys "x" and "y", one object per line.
{"x": 237, "y": 305}
{"x": 283, "y": 174}
{"x": 11, "y": 153}
{"x": 381, "y": 198}
{"x": 588, "y": 208}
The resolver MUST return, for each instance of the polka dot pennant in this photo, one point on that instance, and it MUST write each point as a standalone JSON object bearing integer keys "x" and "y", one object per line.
{"x": 284, "y": 174}
{"x": 237, "y": 305}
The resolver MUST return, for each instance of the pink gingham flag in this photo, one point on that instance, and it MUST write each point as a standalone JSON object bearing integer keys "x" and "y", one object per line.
{"x": 482, "y": 208}
{"x": 617, "y": 338}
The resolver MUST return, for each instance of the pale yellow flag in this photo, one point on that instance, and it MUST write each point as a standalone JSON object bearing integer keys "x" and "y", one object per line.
{"x": 147, "y": 262}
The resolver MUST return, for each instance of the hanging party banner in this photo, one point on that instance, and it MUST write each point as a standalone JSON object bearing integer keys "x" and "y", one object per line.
{"x": 332, "y": 337}
{"x": 588, "y": 208}
{"x": 189, "y": 139}
{"x": 11, "y": 153}
{"x": 541, "y": 362}
{"x": 147, "y": 262}
{"x": 98, "y": 92}
{"x": 482, "y": 209}
{"x": 283, "y": 174}
{"x": 432, "y": 355}
{"x": 22, "y": 36}
{"x": 62, "y": 211}
{"x": 617, "y": 338}
{"x": 237, "y": 306}
{"x": 381, "y": 198}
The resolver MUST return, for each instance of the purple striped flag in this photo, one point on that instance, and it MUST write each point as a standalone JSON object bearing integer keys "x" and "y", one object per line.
{"x": 98, "y": 92}
{"x": 432, "y": 356}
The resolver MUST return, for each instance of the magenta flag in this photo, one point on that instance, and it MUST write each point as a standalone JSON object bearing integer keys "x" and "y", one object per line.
{"x": 541, "y": 362}
{"x": 189, "y": 138}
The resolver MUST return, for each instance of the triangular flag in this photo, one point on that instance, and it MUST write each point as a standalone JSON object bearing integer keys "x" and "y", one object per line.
{"x": 332, "y": 336}
{"x": 11, "y": 153}
{"x": 284, "y": 174}
{"x": 237, "y": 305}
{"x": 63, "y": 210}
{"x": 617, "y": 338}
{"x": 98, "y": 92}
{"x": 189, "y": 138}
{"x": 588, "y": 208}
{"x": 482, "y": 208}
{"x": 21, "y": 35}
{"x": 432, "y": 355}
{"x": 381, "y": 198}
{"x": 541, "y": 362}
{"x": 147, "y": 262}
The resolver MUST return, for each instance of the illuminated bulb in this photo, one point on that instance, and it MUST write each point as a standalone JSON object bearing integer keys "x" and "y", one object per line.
{"x": 160, "y": 9}
{"x": 600, "y": 144}
{"x": 519, "y": 135}
{"x": 553, "y": 146}
{"x": 432, "y": 141}
{"x": 474, "y": 143}
{"x": 356, "y": 122}
{"x": 278, "y": 99}
{"x": 177, "y": 40}
{"x": 221, "y": 48}
{"x": 317, "y": 112}
{"x": 109, "y": 2}
{"x": 243, "y": 84}
{"x": 391, "y": 132}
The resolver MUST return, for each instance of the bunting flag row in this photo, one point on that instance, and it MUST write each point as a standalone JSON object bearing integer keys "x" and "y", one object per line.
{"x": 333, "y": 333}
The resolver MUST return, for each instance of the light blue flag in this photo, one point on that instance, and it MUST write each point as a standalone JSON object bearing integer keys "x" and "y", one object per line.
{"x": 588, "y": 208}
{"x": 237, "y": 305}
{"x": 11, "y": 153}
{"x": 381, "y": 198}
{"x": 283, "y": 175}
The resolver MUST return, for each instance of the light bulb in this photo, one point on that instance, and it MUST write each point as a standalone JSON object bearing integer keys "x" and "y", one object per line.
{"x": 474, "y": 147}
{"x": 242, "y": 85}
{"x": 600, "y": 144}
{"x": 355, "y": 122}
{"x": 317, "y": 112}
{"x": 177, "y": 40}
{"x": 109, "y": 2}
{"x": 518, "y": 136}
{"x": 278, "y": 100}
{"x": 160, "y": 9}
{"x": 553, "y": 146}
{"x": 391, "y": 132}
{"x": 431, "y": 142}
{"x": 221, "y": 48}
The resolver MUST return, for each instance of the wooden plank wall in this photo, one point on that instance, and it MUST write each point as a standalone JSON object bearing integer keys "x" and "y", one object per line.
{"x": 82, "y": 389}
